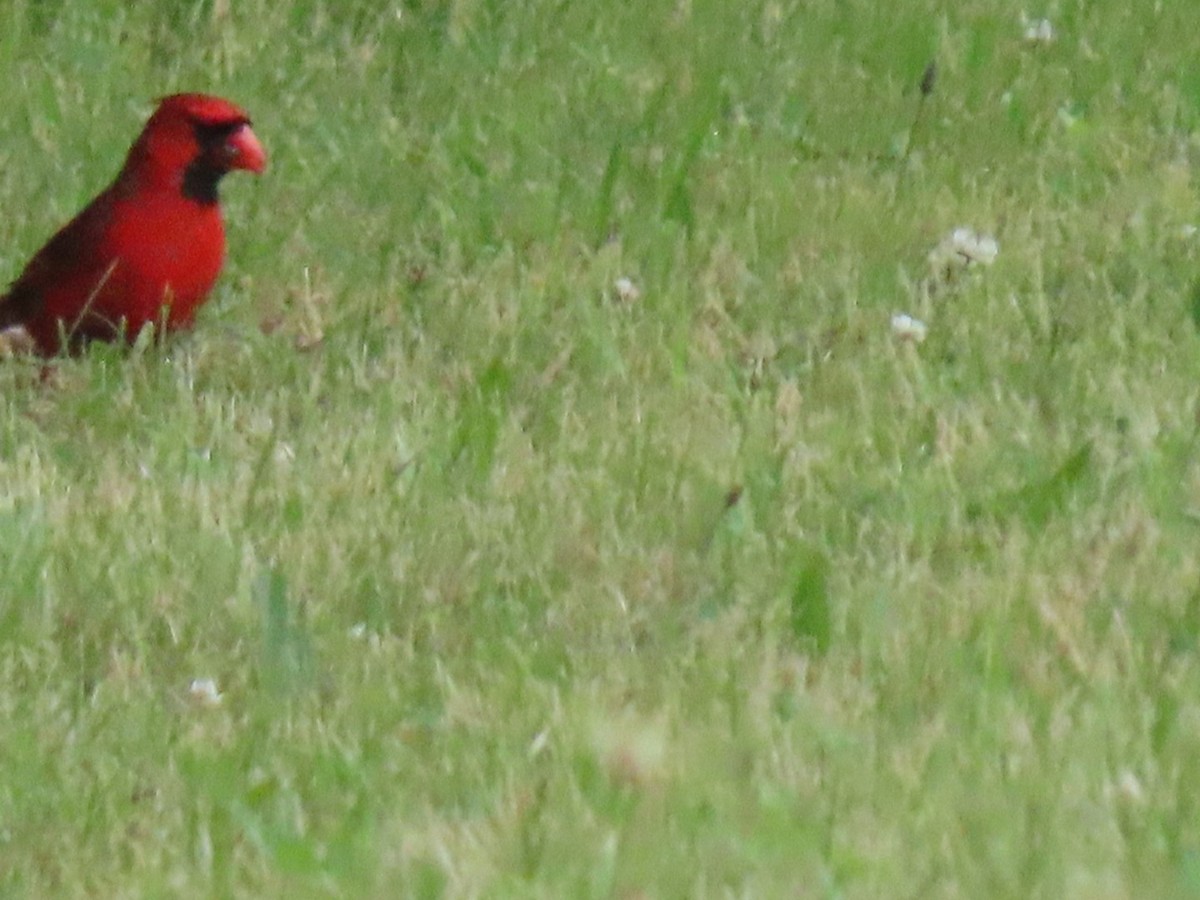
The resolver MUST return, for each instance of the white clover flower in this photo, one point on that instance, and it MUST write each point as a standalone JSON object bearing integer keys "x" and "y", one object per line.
{"x": 204, "y": 692}
{"x": 1037, "y": 31}
{"x": 980, "y": 248}
{"x": 906, "y": 328}
{"x": 963, "y": 247}
{"x": 16, "y": 341}
{"x": 627, "y": 290}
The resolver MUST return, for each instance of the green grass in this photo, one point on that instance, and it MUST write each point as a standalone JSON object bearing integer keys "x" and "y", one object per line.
{"x": 515, "y": 588}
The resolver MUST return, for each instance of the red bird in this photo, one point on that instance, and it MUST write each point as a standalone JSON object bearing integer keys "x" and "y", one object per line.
{"x": 148, "y": 249}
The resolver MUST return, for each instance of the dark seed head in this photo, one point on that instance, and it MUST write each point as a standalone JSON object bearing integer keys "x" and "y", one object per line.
{"x": 929, "y": 79}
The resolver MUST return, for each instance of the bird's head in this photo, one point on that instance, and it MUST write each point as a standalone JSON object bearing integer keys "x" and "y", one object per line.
{"x": 191, "y": 141}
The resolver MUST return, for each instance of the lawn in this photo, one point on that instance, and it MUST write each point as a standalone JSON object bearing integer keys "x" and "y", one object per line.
{"x": 549, "y": 502}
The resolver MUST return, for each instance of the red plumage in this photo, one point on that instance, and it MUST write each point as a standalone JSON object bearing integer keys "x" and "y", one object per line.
{"x": 148, "y": 249}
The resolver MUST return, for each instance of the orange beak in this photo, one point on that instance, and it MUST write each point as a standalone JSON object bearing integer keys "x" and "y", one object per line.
{"x": 245, "y": 152}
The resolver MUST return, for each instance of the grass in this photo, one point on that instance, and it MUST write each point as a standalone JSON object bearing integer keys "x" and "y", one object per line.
{"x": 514, "y": 587}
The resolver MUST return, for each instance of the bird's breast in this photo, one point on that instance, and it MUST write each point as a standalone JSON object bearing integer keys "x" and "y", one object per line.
{"x": 167, "y": 254}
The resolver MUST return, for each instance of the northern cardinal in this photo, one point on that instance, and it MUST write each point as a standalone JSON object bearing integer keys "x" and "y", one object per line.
{"x": 148, "y": 249}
